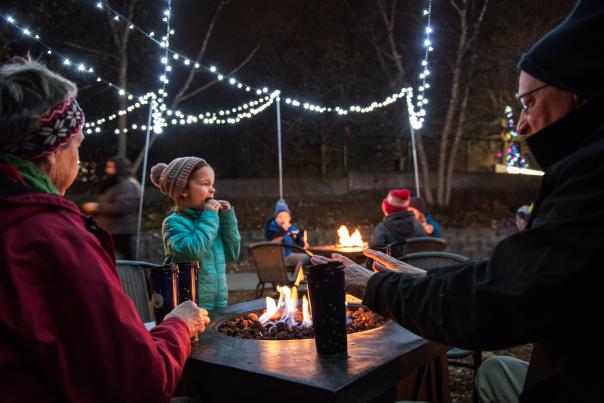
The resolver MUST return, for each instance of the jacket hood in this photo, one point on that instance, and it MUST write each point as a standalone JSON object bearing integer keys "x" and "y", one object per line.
{"x": 402, "y": 222}
{"x": 567, "y": 135}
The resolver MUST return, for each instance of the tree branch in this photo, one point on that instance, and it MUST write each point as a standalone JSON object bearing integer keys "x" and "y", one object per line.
{"x": 92, "y": 51}
{"x": 208, "y": 85}
{"x": 202, "y": 50}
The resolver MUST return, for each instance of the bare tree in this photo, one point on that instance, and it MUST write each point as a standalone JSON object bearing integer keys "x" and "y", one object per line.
{"x": 120, "y": 31}
{"x": 186, "y": 91}
{"x": 471, "y": 14}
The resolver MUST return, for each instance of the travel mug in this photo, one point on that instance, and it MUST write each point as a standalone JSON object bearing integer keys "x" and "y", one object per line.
{"x": 187, "y": 281}
{"x": 328, "y": 305}
{"x": 164, "y": 290}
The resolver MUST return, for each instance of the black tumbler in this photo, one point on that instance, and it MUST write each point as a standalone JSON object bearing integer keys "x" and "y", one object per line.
{"x": 370, "y": 261}
{"x": 187, "y": 281}
{"x": 327, "y": 294}
{"x": 164, "y": 290}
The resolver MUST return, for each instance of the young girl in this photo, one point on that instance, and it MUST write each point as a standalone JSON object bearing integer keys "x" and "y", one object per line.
{"x": 200, "y": 228}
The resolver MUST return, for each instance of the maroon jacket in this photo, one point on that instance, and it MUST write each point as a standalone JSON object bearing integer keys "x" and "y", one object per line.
{"x": 67, "y": 331}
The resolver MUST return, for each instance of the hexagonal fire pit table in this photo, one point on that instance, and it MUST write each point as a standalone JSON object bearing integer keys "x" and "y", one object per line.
{"x": 229, "y": 369}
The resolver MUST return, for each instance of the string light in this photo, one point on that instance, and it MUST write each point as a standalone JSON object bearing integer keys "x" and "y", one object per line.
{"x": 92, "y": 126}
{"x": 66, "y": 61}
{"x": 308, "y": 106}
{"x": 416, "y": 119}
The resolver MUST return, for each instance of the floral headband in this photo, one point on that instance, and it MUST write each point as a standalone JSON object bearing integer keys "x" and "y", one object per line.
{"x": 57, "y": 126}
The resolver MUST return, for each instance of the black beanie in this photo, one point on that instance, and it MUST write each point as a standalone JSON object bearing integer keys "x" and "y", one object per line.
{"x": 571, "y": 56}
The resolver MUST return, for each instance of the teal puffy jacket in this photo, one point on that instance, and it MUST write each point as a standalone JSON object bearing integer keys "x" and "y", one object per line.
{"x": 210, "y": 238}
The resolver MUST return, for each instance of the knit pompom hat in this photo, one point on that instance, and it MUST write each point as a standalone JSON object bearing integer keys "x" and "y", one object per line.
{"x": 397, "y": 200}
{"x": 172, "y": 179}
{"x": 280, "y": 207}
{"x": 571, "y": 56}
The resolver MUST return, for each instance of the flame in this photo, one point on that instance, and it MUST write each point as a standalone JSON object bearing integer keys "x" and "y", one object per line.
{"x": 300, "y": 278}
{"x": 271, "y": 310}
{"x": 354, "y": 240}
{"x": 307, "y": 321}
{"x": 286, "y": 308}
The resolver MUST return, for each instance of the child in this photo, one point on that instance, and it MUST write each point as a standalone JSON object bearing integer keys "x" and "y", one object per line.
{"x": 200, "y": 228}
{"x": 399, "y": 223}
{"x": 419, "y": 207}
{"x": 281, "y": 229}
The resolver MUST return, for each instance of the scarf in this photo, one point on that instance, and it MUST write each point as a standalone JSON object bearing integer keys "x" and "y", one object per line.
{"x": 30, "y": 173}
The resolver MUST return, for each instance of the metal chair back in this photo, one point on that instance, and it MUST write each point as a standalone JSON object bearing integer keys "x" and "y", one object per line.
{"x": 134, "y": 283}
{"x": 432, "y": 260}
{"x": 417, "y": 244}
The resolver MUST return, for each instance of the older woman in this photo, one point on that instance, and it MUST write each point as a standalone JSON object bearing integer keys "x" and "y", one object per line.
{"x": 69, "y": 333}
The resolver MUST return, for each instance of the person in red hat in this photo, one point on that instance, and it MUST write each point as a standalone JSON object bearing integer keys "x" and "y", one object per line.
{"x": 399, "y": 222}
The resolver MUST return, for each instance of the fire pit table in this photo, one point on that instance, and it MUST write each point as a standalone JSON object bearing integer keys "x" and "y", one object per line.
{"x": 229, "y": 369}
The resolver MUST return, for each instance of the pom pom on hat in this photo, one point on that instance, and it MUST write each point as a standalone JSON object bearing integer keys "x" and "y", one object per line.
{"x": 156, "y": 172}
{"x": 397, "y": 200}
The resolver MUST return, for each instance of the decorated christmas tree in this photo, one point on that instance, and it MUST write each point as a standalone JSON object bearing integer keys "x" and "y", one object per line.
{"x": 511, "y": 155}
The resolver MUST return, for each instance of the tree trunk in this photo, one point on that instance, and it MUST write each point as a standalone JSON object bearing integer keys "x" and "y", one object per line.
{"x": 425, "y": 170}
{"x": 453, "y": 154}
{"x": 324, "y": 157}
{"x": 451, "y": 110}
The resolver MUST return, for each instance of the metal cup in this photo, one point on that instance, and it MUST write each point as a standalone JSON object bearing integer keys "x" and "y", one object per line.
{"x": 164, "y": 290}
{"x": 187, "y": 281}
{"x": 328, "y": 305}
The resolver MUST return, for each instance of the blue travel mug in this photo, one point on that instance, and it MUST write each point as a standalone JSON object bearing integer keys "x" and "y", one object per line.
{"x": 326, "y": 289}
{"x": 164, "y": 290}
{"x": 187, "y": 281}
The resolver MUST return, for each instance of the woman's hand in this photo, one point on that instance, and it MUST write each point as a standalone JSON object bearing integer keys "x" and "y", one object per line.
{"x": 383, "y": 262}
{"x": 356, "y": 276}
{"x": 195, "y": 317}
{"x": 90, "y": 208}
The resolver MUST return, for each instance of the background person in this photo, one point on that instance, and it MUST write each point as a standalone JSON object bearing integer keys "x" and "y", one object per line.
{"x": 399, "y": 223}
{"x": 69, "y": 333}
{"x": 281, "y": 229}
{"x": 117, "y": 205}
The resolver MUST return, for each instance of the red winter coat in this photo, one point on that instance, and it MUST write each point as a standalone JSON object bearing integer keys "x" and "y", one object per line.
{"x": 67, "y": 331}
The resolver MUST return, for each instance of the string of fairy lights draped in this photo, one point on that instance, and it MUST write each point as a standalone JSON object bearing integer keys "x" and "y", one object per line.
{"x": 171, "y": 57}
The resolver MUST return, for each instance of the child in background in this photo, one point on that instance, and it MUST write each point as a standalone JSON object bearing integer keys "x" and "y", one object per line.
{"x": 399, "y": 223}
{"x": 200, "y": 228}
{"x": 281, "y": 229}
{"x": 432, "y": 228}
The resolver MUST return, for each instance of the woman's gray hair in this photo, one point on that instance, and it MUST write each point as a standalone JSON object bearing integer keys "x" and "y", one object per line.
{"x": 28, "y": 89}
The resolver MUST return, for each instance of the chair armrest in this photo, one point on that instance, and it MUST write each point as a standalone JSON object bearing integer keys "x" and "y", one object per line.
{"x": 295, "y": 247}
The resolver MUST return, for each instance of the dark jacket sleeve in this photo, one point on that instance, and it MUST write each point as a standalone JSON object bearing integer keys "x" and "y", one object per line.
{"x": 536, "y": 284}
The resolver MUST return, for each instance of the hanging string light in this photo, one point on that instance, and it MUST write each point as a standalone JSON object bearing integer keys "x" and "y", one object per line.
{"x": 417, "y": 118}
{"x": 231, "y": 116}
{"x": 295, "y": 102}
{"x": 95, "y": 125}
{"x": 67, "y": 62}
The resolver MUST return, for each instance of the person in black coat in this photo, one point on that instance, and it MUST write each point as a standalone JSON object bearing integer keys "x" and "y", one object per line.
{"x": 541, "y": 285}
{"x": 399, "y": 223}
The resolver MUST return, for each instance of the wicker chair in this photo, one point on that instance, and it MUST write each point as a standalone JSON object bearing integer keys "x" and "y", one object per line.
{"x": 417, "y": 244}
{"x": 432, "y": 260}
{"x": 134, "y": 283}
{"x": 269, "y": 258}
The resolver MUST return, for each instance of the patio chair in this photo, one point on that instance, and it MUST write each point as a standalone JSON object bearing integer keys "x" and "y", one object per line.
{"x": 432, "y": 260}
{"x": 135, "y": 285}
{"x": 417, "y": 244}
{"x": 269, "y": 258}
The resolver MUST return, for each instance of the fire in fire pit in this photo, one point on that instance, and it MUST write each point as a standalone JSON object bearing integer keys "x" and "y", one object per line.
{"x": 282, "y": 320}
{"x": 350, "y": 241}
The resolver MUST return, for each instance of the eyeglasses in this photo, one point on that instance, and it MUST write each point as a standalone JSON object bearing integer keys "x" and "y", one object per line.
{"x": 519, "y": 97}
